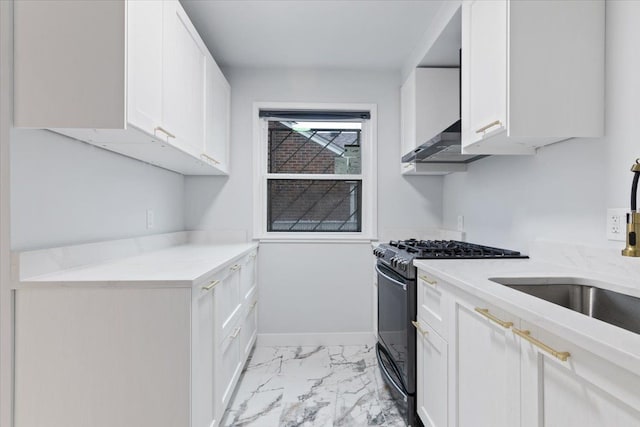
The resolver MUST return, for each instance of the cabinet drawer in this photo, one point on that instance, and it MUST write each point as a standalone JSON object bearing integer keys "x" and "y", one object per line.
{"x": 228, "y": 301}
{"x": 431, "y": 302}
{"x": 248, "y": 274}
{"x": 249, "y": 327}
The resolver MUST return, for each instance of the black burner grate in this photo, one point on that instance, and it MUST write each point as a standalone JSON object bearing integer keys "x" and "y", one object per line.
{"x": 451, "y": 249}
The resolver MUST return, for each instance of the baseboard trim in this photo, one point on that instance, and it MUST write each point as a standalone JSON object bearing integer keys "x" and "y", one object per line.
{"x": 329, "y": 338}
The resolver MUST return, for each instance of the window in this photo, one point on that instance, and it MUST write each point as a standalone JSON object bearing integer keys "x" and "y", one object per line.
{"x": 314, "y": 172}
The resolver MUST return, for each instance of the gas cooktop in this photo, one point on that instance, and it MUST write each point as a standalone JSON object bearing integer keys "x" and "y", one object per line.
{"x": 448, "y": 249}
{"x": 399, "y": 254}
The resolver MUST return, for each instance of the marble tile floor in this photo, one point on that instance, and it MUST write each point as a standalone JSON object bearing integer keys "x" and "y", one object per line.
{"x": 312, "y": 387}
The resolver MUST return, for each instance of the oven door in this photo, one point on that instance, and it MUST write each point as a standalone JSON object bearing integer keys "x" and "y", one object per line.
{"x": 394, "y": 320}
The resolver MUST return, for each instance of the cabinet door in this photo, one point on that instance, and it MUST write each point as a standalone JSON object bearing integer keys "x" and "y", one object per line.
{"x": 217, "y": 125}
{"x": 248, "y": 276}
{"x": 202, "y": 368}
{"x": 583, "y": 391}
{"x": 408, "y": 115}
{"x": 228, "y": 302}
{"x": 432, "y": 377}
{"x": 250, "y": 326}
{"x": 488, "y": 361}
{"x": 230, "y": 367}
{"x": 484, "y": 67}
{"x": 184, "y": 64}
{"x": 144, "y": 64}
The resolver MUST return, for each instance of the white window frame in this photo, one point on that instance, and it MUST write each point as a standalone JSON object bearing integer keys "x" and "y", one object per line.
{"x": 368, "y": 153}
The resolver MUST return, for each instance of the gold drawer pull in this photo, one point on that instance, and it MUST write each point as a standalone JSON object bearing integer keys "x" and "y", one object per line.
{"x": 211, "y": 159}
{"x": 166, "y": 132}
{"x": 211, "y": 285}
{"x": 408, "y": 165}
{"x": 419, "y": 328}
{"x": 251, "y": 307}
{"x": 236, "y": 267}
{"x": 252, "y": 256}
{"x": 562, "y": 355}
{"x": 485, "y": 313}
{"x": 430, "y": 281}
{"x": 490, "y": 125}
{"x": 235, "y": 333}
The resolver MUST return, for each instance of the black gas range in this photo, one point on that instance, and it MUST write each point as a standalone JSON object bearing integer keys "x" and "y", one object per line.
{"x": 397, "y": 308}
{"x": 399, "y": 254}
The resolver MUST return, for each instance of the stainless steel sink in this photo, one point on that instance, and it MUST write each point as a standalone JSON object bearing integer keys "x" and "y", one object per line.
{"x": 608, "y": 306}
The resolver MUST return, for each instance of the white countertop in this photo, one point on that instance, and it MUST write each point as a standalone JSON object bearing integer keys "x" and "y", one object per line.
{"x": 472, "y": 276}
{"x": 173, "y": 266}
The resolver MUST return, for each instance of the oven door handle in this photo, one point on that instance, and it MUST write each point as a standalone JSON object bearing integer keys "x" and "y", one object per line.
{"x": 380, "y": 272}
{"x": 386, "y": 374}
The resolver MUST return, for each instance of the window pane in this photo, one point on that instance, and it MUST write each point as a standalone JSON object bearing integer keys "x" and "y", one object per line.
{"x": 314, "y": 147}
{"x": 314, "y": 205}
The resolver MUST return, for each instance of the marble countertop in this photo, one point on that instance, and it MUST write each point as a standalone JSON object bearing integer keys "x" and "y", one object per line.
{"x": 180, "y": 265}
{"x": 610, "y": 342}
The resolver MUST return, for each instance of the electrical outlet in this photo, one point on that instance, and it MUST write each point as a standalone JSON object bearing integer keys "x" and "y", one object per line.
{"x": 460, "y": 223}
{"x": 150, "y": 218}
{"x": 616, "y": 224}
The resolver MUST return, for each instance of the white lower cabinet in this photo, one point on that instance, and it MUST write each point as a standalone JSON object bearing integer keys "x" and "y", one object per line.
{"x": 432, "y": 377}
{"x": 431, "y": 353}
{"x": 486, "y": 357}
{"x": 202, "y": 367}
{"x": 132, "y": 356}
{"x": 585, "y": 390}
{"x": 490, "y": 368}
{"x": 102, "y": 357}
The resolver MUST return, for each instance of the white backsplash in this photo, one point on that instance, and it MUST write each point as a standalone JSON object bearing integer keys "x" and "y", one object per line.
{"x": 597, "y": 262}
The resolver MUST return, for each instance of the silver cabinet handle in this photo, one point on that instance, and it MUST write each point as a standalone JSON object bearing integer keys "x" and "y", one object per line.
{"x": 166, "y": 132}
{"x": 211, "y": 285}
{"x": 490, "y": 125}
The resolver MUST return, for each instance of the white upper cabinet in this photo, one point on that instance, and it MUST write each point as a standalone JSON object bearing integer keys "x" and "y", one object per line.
{"x": 527, "y": 79}
{"x": 217, "y": 123}
{"x": 144, "y": 70}
{"x": 129, "y": 76}
{"x": 184, "y": 82}
{"x": 430, "y": 103}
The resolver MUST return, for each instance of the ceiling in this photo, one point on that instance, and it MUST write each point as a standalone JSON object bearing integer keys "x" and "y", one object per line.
{"x": 349, "y": 34}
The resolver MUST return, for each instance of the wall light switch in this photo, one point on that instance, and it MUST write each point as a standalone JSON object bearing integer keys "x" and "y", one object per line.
{"x": 616, "y": 224}
{"x": 150, "y": 218}
{"x": 460, "y": 223}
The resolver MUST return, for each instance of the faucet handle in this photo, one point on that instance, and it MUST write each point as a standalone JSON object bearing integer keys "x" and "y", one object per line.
{"x": 636, "y": 166}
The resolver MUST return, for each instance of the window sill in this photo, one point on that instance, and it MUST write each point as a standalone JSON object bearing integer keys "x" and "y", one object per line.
{"x": 307, "y": 238}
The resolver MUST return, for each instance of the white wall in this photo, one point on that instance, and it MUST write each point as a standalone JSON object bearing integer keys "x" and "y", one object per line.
{"x": 66, "y": 192}
{"x": 562, "y": 192}
{"x": 214, "y": 202}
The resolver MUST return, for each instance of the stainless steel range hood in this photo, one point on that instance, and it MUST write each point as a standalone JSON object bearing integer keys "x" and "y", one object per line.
{"x": 443, "y": 148}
